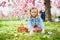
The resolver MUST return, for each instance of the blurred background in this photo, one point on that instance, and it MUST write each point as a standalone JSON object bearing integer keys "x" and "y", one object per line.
{"x": 15, "y": 12}
{"x": 16, "y": 9}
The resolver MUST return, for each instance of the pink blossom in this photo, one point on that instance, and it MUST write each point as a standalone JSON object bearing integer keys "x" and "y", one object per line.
{"x": 1, "y": 14}
{"x": 58, "y": 3}
{"x": 8, "y": 0}
{"x": 3, "y": 4}
{"x": 30, "y": 0}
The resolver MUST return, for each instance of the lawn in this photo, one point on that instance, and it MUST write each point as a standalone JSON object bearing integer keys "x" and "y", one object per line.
{"x": 8, "y": 31}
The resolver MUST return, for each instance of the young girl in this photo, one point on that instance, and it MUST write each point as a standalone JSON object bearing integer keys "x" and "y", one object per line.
{"x": 35, "y": 22}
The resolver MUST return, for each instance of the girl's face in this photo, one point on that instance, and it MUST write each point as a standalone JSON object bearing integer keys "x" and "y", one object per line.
{"x": 34, "y": 12}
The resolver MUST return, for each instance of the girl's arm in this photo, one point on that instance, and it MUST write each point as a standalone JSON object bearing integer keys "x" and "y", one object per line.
{"x": 30, "y": 27}
{"x": 41, "y": 22}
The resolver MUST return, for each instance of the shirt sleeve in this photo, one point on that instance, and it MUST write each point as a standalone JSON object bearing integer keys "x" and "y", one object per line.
{"x": 41, "y": 24}
{"x": 29, "y": 24}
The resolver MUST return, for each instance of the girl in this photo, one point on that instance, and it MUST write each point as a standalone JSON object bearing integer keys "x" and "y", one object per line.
{"x": 35, "y": 22}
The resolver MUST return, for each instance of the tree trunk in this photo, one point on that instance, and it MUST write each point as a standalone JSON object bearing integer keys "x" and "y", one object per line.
{"x": 47, "y": 8}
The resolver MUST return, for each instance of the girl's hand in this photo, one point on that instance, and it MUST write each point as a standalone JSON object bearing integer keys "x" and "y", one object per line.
{"x": 31, "y": 32}
{"x": 43, "y": 31}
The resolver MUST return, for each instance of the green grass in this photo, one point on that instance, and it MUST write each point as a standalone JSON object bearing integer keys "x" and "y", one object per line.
{"x": 8, "y": 31}
{"x": 11, "y": 19}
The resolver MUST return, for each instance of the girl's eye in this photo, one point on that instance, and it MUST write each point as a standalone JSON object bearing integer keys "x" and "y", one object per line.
{"x": 34, "y": 12}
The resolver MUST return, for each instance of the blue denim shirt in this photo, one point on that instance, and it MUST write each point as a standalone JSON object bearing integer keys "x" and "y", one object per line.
{"x": 35, "y": 21}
